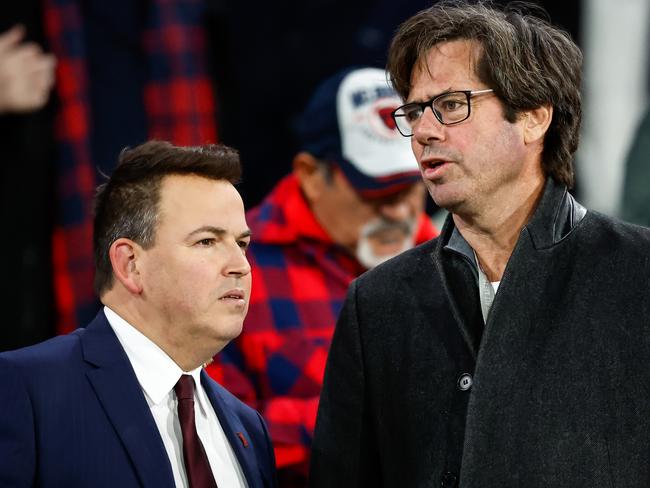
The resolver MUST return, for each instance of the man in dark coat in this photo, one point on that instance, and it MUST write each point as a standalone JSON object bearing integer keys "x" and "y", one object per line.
{"x": 124, "y": 402}
{"x": 513, "y": 350}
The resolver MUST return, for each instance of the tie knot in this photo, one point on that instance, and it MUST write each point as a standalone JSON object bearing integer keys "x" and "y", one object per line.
{"x": 184, "y": 388}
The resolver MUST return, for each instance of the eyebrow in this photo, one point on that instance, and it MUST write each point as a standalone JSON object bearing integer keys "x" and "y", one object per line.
{"x": 218, "y": 231}
{"x": 448, "y": 90}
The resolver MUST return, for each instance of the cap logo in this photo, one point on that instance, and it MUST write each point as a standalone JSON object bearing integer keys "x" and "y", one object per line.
{"x": 371, "y": 108}
{"x": 376, "y": 122}
{"x": 362, "y": 97}
{"x": 386, "y": 117}
{"x": 374, "y": 154}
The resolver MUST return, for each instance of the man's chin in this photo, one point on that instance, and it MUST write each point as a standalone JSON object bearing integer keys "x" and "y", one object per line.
{"x": 227, "y": 330}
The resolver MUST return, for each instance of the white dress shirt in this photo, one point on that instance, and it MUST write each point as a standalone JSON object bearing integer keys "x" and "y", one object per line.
{"x": 157, "y": 374}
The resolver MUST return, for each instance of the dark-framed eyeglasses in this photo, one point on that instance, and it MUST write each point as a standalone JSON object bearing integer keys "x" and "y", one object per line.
{"x": 449, "y": 108}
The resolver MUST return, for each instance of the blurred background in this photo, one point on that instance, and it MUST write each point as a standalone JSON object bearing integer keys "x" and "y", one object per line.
{"x": 200, "y": 71}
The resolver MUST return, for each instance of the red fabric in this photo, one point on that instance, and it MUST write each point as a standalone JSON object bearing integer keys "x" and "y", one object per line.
{"x": 180, "y": 107}
{"x": 300, "y": 279}
{"x": 72, "y": 239}
{"x": 179, "y": 99}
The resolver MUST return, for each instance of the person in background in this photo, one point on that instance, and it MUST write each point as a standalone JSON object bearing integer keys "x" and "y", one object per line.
{"x": 353, "y": 200}
{"x": 513, "y": 350}
{"x": 27, "y": 140}
{"x": 125, "y": 401}
{"x": 26, "y": 73}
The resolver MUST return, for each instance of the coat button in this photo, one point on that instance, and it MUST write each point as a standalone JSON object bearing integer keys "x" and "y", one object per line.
{"x": 449, "y": 480}
{"x": 465, "y": 382}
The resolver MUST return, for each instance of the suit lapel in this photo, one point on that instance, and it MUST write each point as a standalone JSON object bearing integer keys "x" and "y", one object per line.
{"x": 233, "y": 428}
{"x": 119, "y": 392}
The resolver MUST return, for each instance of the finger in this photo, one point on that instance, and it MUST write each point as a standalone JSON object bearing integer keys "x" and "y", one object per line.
{"x": 38, "y": 63}
{"x": 42, "y": 80}
{"x": 24, "y": 60}
{"x": 11, "y": 38}
{"x": 28, "y": 52}
{"x": 45, "y": 63}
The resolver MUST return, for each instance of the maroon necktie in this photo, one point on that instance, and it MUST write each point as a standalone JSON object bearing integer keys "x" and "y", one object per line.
{"x": 197, "y": 467}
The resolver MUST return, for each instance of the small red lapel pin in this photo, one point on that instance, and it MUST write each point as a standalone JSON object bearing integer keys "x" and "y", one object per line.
{"x": 242, "y": 439}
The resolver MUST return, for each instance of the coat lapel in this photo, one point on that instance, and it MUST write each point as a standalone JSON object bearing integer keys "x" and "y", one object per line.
{"x": 119, "y": 392}
{"x": 236, "y": 434}
{"x": 460, "y": 289}
{"x": 530, "y": 293}
{"x": 535, "y": 269}
{"x": 434, "y": 310}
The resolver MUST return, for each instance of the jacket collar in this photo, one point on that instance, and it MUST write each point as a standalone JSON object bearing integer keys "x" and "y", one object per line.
{"x": 236, "y": 433}
{"x": 119, "y": 392}
{"x": 555, "y": 217}
{"x": 557, "y": 214}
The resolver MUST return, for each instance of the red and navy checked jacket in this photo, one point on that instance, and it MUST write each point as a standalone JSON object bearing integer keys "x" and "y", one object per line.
{"x": 180, "y": 108}
{"x": 300, "y": 279}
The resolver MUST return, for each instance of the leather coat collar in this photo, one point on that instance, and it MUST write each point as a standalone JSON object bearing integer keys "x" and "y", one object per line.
{"x": 557, "y": 214}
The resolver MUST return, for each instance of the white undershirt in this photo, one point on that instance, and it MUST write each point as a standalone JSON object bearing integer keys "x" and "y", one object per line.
{"x": 157, "y": 374}
{"x": 487, "y": 290}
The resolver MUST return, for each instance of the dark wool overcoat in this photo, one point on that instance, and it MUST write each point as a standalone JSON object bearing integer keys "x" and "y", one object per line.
{"x": 553, "y": 391}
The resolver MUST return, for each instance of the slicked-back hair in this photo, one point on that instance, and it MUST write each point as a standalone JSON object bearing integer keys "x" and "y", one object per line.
{"x": 127, "y": 205}
{"x": 526, "y": 61}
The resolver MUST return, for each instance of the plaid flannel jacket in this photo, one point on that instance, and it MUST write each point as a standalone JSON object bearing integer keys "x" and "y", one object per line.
{"x": 300, "y": 279}
{"x": 180, "y": 108}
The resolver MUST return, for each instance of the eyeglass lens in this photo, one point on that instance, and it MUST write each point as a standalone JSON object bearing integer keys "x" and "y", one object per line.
{"x": 448, "y": 108}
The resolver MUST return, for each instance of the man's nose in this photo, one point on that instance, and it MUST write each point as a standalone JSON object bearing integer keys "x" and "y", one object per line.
{"x": 238, "y": 264}
{"x": 397, "y": 211}
{"x": 428, "y": 127}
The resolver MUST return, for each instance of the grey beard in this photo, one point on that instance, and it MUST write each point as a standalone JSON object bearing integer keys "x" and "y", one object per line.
{"x": 365, "y": 253}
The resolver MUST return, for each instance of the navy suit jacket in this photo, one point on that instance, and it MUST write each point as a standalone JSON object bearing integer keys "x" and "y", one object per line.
{"x": 72, "y": 414}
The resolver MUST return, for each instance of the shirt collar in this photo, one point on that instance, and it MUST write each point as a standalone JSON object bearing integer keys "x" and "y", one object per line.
{"x": 458, "y": 244}
{"x": 157, "y": 373}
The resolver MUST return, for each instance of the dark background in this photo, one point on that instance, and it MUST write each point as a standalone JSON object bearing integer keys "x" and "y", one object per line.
{"x": 265, "y": 58}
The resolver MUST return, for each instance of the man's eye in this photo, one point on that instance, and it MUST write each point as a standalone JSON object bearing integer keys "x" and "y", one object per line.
{"x": 243, "y": 245}
{"x": 451, "y": 105}
{"x": 206, "y": 242}
{"x": 413, "y": 115}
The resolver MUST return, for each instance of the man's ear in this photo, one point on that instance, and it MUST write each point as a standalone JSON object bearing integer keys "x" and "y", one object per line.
{"x": 309, "y": 174}
{"x": 536, "y": 123}
{"x": 124, "y": 259}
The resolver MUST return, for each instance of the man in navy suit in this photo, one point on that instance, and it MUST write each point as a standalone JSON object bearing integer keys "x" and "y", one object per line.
{"x": 124, "y": 402}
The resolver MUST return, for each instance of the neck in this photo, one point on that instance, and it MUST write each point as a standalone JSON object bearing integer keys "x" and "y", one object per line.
{"x": 494, "y": 232}
{"x": 187, "y": 358}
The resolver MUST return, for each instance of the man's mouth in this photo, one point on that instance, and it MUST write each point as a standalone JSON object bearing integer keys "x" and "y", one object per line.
{"x": 433, "y": 163}
{"x": 431, "y": 167}
{"x": 382, "y": 229}
{"x": 235, "y": 294}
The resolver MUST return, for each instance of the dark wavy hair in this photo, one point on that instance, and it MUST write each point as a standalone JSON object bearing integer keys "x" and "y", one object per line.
{"x": 523, "y": 58}
{"x": 127, "y": 205}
